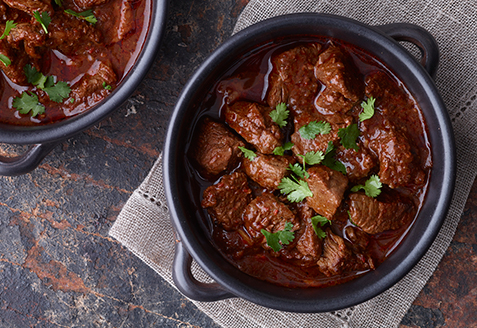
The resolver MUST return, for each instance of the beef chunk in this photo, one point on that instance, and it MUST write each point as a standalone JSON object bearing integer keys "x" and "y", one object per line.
{"x": 227, "y": 200}
{"x": 268, "y": 170}
{"x": 392, "y": 133}
{"x": 358, "y": 163}
{"x": 344, "y": 84}
{"x": 253, "y": 122}
{"x": 267, "y": 212}
{"x": 19, "y": 59}
{"x": 116, "y": 19}
{"x": 216, "y": 148}
{"x": 320, "y": 142}
{"x": 396, "y": 160}
{"x": 308, "y": 245}
{"x": 86, "y": 4}
{"x": 328, "y": 187}
{"x": 338, "y": 257}
{"x": 73, "y": 36}
{"x": 28, "y": 37}
{"x": 389, "y": 212}
{"x": 30, "y": 6}
{"x": 90, "y": 88}
{"x": 293, "y": 80}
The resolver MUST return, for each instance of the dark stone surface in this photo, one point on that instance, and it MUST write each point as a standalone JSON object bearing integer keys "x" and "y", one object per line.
{"x": 59, "y": 268}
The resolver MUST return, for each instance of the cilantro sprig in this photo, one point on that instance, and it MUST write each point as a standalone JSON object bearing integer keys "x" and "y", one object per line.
{"x": 298, "y": 170}
{"x": 249, "y": 154}
{"x": 280, "y": 151}
{"x": 9, "y": 25}
{"x": 311, "y": 130}
{"x": 27, "y": 103}
{"x": 5, "y": 60}
{"x": 86, "y": 15}
{"x": 59, "y": 2}
{"x": 284, "y": 236}
{"x": 321, "y": 220}
{"x": 368, "y": 109}
{"x": 348, "y": 136}
{"x": 372, "y": 186}
{"x": 44, "y": 19}
{"x": 330, "y": 161}
{"x": 280, "y": 114}
{"x": 57, "y": 92}
{"x": 296, "y": 190}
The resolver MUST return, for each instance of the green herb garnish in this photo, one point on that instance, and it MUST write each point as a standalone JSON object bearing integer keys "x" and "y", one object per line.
{"x": 310, "y": 130}
{"x": 44, "y": 20}
{"x": 27, "y": 103}
{"x": 330, "y": 161}
{"x": 249, "y": 154}
{"x": 5, "y": 60}
{"x": 280, "y": 114}
{"x": 9, "y": 24}
{"x": 368, "y": 109}
{"x": 285, "y": 236}
{"x": 296, "y": 191}
{"x": 348, "y": 136}
{"x": 280, "y": 151}
{"x": 372, "y": 186}
{"x": 106, "y": 86}
{"x": 86, "y": 15}
{"x": 318, "y": 219}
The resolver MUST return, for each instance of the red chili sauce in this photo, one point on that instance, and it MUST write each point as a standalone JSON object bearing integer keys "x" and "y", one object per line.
{"x": 92, "y": 58}
{"x": 394, "y": 140}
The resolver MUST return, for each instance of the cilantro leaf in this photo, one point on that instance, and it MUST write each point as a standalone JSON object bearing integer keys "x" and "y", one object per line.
{"x": 59, "y": 2}
{"x": 330, "y": 161}
{"x": 298, "y": 170}
{"x": 372, "y": 186}
{"x": 86, "y": 15}
{"x": 318, "y": 219}
{"x": 5, "y": 60}
{"x": 297, "y": 191}
{"x": 348, "y": 136}
{"x": 368, "y": 109}
{"x": 9, "y": 24}
{"x": 280, "y": 151}
{"x": 58, "y": 92}
{"x": 285, "y": 236}
{"x": 249, "y": 154}
{"x": 280, "y": 114}
{"x": 310, "y": 130}
{"x": 44, "y": 20}
{"x": 28, "y": 102}
{"x": 106, "y": 86}
{"x": 313, "y": 157}
{"x": 33, "y": 76}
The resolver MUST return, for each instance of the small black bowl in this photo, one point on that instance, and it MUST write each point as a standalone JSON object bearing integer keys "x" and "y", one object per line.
{"x": 42, "y": 139}
{"x": 380, "y": 41}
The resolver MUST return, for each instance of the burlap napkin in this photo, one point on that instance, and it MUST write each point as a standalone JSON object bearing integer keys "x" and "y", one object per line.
{"x": 454, "y": 24}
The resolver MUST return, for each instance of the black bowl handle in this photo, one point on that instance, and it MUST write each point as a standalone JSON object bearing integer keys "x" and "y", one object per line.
{"x": 26, "y": 162}
{"x": 418, "y": 36}
{"x": 188, "y": 285}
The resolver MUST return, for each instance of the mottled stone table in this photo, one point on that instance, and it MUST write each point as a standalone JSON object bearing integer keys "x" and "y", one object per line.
{"x": 58, "y": 267}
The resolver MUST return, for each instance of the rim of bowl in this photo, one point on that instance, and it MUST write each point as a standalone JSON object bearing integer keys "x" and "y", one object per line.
{"x": 349, "y": 293}
{"x": 68, "y": 127}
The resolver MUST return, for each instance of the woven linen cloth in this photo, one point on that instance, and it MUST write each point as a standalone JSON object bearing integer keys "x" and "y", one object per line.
{"x": 454, "y": 25}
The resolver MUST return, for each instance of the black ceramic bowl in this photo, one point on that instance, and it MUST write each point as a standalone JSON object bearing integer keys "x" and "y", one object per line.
{"x": 192, "y": 241}
{"x": 44, "y": 138}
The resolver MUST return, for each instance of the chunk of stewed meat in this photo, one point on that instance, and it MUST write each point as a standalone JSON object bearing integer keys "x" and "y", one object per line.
{"x": 19, "y": 60}
{"x": 336, "y": 70}
{"x": 29, "y": 38}
{"x": 292, "y": 79}
{"x": 328, "y": 187}
{"x": 396, "y": 167}
{"x": 358, "y": 163}
{"x": 268, "y": 170}
{"x": 267, "y": 212}
{"x": 253, "y": 122}
{"x": 372, "y": 215}
{"x": 90, "y": 89}
{"x": 338, "y": 257}
{"x": 30, "y": 6}
{"x": 360, "y": 242}
{"x": 216, "y": 148}
{"x": 320, "y": 142}
{"x": 227, "y": 200}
